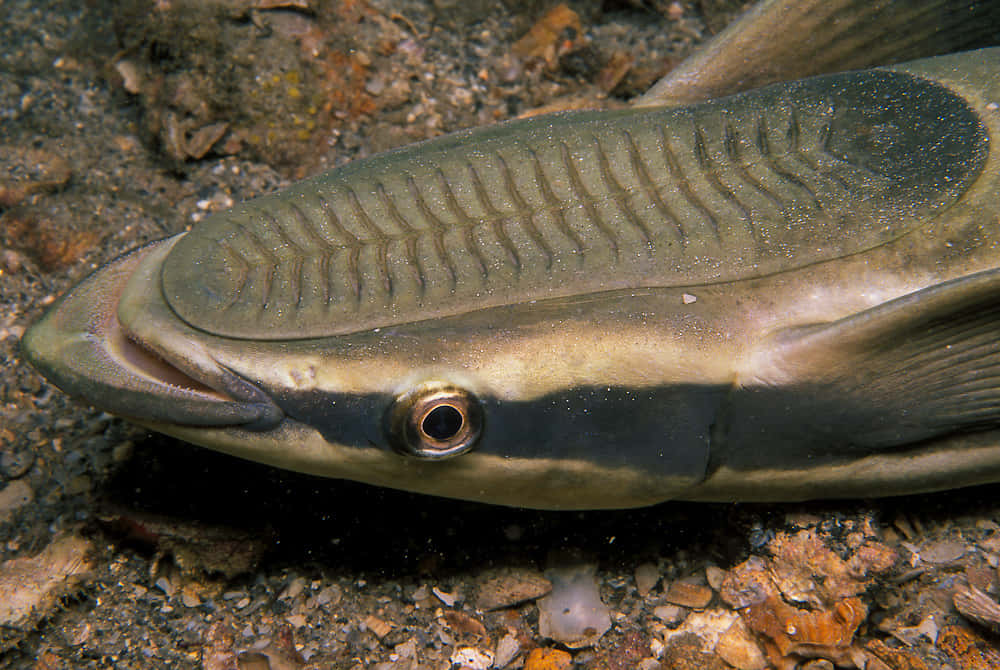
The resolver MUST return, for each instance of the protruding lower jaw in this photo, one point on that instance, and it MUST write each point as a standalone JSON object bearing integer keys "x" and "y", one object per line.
{"x": 81, "y": 346}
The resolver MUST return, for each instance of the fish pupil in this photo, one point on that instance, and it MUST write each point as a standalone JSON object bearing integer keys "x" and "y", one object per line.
{"x": 442, "y": 423}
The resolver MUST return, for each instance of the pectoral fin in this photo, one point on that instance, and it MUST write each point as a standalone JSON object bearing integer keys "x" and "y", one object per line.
{"x": 920, "y": 367}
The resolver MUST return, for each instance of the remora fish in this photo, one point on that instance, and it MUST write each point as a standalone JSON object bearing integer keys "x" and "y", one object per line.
{"x": 785, "y": 294}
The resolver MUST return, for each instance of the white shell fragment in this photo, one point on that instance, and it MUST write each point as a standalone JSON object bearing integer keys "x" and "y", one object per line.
{"x": 448, "y": 599}
{"x": 709, "y": 625}
{"x": 507, "y": 650}
{"x": 30, "y": 587}
{"x": 470, "y": 657}
{"x": 573, "y": 613}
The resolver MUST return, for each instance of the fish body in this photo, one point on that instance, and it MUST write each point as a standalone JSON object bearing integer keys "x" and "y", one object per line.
{"x": 788, "y": 293}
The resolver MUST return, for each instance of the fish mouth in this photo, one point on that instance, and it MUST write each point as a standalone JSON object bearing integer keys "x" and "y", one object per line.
{"x": 100, "y": 343}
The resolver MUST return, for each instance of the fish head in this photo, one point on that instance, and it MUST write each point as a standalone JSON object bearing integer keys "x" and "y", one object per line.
{"x": 530, "y": 405}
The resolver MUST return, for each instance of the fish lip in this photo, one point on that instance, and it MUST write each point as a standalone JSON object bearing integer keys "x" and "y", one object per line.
{"x": 83, "y": 348}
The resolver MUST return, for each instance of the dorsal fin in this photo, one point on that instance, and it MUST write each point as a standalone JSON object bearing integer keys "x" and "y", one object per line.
{"x": 782, "y": 40}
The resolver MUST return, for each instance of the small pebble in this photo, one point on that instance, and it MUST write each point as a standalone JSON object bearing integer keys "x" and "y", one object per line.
{"x": 548, "y": 659}
{"x": 406, "y": 649}
{"x": 15, "y": 464}
{"x": 15, "y": 495}
{"x": 131, "y": 76}
{"x": 686, "y": 594}
{"x": 738, "y": 648}
{"x": 670, "y": 614}
{"x": 375, "y": 85}
{"x": 79, "y": 635}
{"x": 378, "y": 626}
{"x": 464, "y": 625}
{"x": 448, "y": 599}
{"x": 714, "y": 576}
{"x": 329, "y": 596}
{"x": 472, "y": 658}
{"x": 507, "y": 650}
{"x": 656, "y": 647}
{"x": 189, "y": 596}
{"x": 294, "y": 588}
{"x": 647, "y": 576}
{"x": 164, "y": 585}
{"x": 297, "y": 620}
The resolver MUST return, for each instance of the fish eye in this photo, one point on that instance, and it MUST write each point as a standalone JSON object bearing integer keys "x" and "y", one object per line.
{"x": 435, "y": 421}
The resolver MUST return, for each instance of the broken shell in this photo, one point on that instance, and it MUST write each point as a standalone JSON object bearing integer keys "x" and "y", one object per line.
{"x": 738, "y": 648}
{"x": 203, "y": 139}
{"x": 897, "y": 659}
{"x": 30, "y": 587}
{"x": 470, "y": 657}
{"x": 556, "y": 32}
{"x": 805, "y": 632}
{"x": 977, "y": 606}
{"x": 573, "y": 613}
{"x": 507, "y": 650}
{"x": 511, "y": 587}
{"x": 548, "y": 659}
{"x": 970, "y": 651}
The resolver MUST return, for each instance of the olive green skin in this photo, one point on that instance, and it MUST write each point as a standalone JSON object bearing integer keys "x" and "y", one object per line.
{"x": 788, "y": 294}
{"x": 783, "y": 40}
